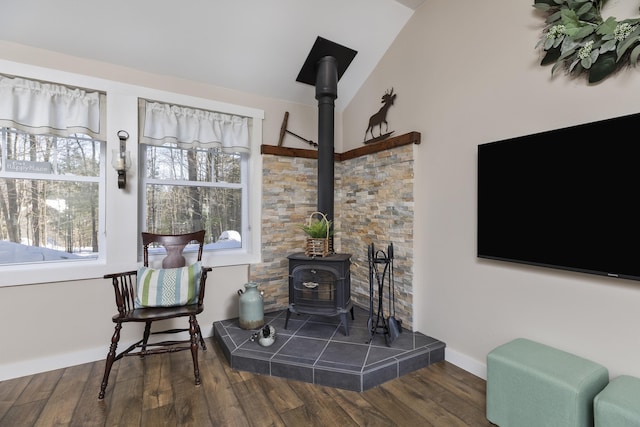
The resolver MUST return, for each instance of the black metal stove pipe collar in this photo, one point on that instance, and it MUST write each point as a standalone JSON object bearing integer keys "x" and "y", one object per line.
{"x": 326, "y": 93}
{"x": 327, "y": 78}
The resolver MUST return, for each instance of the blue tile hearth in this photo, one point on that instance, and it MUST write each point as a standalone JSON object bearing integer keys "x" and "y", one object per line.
{"x": 314, "y": 349}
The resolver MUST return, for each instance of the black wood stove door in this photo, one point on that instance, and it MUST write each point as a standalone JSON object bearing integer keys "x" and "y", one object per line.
{"x": 320, "y": 285}
{"x": 314, "y": 287}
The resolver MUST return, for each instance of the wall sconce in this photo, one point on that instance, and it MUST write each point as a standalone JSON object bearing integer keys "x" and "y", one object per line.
{"x": 121, "y": 159}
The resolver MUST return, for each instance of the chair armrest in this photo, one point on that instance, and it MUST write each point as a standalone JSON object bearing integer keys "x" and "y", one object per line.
{"x": 125, "y": 273}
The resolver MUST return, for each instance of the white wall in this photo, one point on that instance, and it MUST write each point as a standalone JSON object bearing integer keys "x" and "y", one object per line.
{"x": 46, "y": 326}
{"x": 466, "y": 73}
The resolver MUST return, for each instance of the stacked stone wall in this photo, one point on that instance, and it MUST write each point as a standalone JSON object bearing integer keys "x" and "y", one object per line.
{"x": 373, "y": 203}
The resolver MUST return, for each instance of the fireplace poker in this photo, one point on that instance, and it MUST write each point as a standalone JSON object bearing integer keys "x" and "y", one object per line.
{"x": 394, "y": 325}
{"x": 381, "y": 323}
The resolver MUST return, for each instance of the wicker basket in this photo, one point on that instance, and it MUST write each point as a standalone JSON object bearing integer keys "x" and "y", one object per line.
{"x": 318, "y": 246}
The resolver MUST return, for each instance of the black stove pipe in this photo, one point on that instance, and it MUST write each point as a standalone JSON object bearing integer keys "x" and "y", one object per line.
{"x": 326, "y": 94}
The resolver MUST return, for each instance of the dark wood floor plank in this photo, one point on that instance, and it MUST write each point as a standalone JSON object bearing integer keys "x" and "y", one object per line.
{"x": 90, "y": 412}
{"x": 320, "y": 409}
{"x": 453, "y": 398}
{"x": 235, "y": 376}
{"x": 256, "y": 405}
{"x": 282, "y": 397}
{"x": 394, "y": 407}
{"x": 65, "y": 397}
{"x": 428, "y": 405}
{"x": 40, "y": 387}
{"x": 10, "y": 390}
{"x": 160, "y": 416}
{"x": 213, "y": 367}
{"x": 459, "y": 382}
{"x": 124, "y": 402}
{"x": 190, "y": 403}
{"x": 224, "y": 407}
{"x": 359, "y": 408}
{"x": 158, "y": 390}
{"x": 24, "y": 415}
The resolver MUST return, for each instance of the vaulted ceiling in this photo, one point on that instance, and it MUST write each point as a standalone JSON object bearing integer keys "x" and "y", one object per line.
{"x": 256, "y": 46}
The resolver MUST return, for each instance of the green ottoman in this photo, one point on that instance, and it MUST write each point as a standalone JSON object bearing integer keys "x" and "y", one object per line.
{"x": 618, "y": 405}
{"x": 531, "y": 384}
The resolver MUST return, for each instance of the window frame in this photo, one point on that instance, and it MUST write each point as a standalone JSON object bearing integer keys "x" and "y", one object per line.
{"x": 242, "y": 186}
{"x": 120, "y": 236}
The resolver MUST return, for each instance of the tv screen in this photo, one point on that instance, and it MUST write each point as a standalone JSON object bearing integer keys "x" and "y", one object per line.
{"x": 565, "y": 199}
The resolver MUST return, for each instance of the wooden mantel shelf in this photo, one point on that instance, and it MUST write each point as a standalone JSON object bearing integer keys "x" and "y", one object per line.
{"x": 374, "y": 147}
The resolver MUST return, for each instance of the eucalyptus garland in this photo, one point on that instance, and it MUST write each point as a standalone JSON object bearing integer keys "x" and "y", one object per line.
{"x": 577, "y": 38}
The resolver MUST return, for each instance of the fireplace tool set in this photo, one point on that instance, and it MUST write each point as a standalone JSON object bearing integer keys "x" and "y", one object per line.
{"x": 381, "y": 270}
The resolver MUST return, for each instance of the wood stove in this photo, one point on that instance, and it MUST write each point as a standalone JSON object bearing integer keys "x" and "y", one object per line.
{"x": 320, "y": 286}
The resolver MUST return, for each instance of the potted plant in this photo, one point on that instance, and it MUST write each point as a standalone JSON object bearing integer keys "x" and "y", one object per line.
{"x": 318, "y": 229}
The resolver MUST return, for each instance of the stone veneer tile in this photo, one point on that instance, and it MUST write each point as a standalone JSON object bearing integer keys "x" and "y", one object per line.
{"x": 373, "y": 203}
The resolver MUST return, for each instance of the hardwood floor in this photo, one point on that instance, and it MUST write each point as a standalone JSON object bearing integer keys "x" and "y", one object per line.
{"x": 159, "y": 391}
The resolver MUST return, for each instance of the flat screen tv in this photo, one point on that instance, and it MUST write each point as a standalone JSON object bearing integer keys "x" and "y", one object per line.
{"x": 566, "y": 199}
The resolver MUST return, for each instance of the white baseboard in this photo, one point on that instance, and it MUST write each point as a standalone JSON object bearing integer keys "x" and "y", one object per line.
{"x": 51, "y": 363}
{"x": 60, "y": 361}
{"x": 463, "y": 361}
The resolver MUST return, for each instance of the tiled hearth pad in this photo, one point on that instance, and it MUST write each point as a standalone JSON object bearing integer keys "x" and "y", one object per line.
{"x": 314, "y": 349}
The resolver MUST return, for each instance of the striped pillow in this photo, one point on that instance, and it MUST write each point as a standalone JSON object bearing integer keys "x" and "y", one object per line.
{"x": 167, "y": 287}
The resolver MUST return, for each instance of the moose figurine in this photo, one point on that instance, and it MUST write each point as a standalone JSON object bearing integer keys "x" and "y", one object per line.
{"x": 381, "y": 117}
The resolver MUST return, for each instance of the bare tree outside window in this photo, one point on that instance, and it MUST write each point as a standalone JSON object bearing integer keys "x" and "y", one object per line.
{"x": 49, "y": 197}
{"x": 189, "y": 190}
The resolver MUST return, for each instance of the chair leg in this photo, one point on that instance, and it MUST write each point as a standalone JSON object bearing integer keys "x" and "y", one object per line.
{"x": 111, "y": 357}
{"x": 193, "y": 328}
{"x": 202, "y": 343}
{"x": 145, "y": 338}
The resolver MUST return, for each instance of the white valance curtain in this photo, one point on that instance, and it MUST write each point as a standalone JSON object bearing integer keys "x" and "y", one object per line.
{"x": 47, "y": 108}
{"x": 192, "y": 128}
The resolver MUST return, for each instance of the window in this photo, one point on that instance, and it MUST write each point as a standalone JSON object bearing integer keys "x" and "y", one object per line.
{"x": 194, "y": 174}
{"x": 50, "y": 173}
{"x": 191, "y": 189}
{"x": 49, "y": 197}
{"x": 60, "y": 151}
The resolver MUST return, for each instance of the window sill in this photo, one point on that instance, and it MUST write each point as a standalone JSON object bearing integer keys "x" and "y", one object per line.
{"x": 31, "y": 274}
{"x": 28, "y": 274}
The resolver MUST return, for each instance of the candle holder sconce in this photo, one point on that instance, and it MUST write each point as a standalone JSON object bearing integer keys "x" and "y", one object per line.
{"x": 121, "y": 159}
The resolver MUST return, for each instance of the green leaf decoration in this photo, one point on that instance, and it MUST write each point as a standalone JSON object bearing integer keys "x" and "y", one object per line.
{"x": 585, "y": 8}
{"x": 569, "y": 17}
{"x": 577, "y": 38}
{"x": 550, "y": 57}
{"x": 584, "y": 31}
{"x": 632, "y": 39}
{"x": 568, "y": 53}
{"x": 574, "y": 64}
{"x": 542, "y": 6}
{"x": 605, "y": 65}
{"x": 569, "y": 46}
{"x": 552, "y": 43}
{"x": 608, "y": 26}
{"x": 609, "y": 45}
{"x": 553, "y": 17}
{"x": 633, "y": 58}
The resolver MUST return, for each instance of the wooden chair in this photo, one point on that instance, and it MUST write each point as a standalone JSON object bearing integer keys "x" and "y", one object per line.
{"x": 133, "y": 307}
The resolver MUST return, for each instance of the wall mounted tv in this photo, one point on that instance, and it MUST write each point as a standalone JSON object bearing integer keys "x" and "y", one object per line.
{"x": 565, "y": 199}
